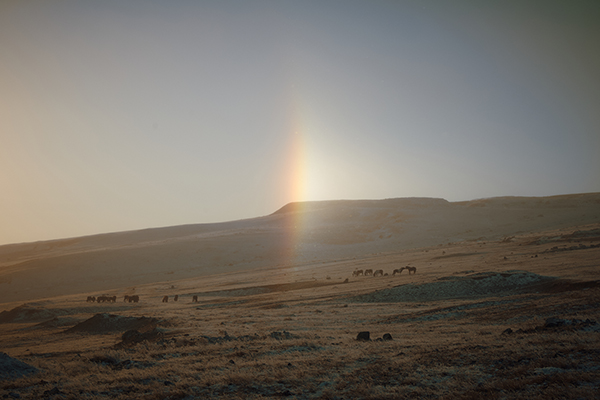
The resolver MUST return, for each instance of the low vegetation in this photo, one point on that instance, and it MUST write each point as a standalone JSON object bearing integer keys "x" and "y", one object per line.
{"x": 538, "y": 339}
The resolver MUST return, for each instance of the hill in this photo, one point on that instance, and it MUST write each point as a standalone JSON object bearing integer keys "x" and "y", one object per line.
{"x": 297, "y": 234}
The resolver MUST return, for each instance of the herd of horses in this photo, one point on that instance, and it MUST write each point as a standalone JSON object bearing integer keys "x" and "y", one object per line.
{"x": 379, "y": 272}
{"x": 176, "y": 298}
{"x": 102, "y": 299}
{"x": 130, "y": 299}
{"x": 165, "y": 299}
{"x": 112, "y": 299}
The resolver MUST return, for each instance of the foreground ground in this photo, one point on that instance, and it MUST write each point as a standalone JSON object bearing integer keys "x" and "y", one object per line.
{"x": 515, "y": 318}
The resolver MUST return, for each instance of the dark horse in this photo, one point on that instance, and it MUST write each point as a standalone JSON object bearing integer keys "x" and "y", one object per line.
{"x": 409, "y": 269}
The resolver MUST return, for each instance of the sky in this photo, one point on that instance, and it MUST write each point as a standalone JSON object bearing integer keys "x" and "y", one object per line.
{"x": 122, "y": 115}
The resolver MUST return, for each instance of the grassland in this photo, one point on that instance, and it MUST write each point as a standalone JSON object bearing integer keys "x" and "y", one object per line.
{"x": 510, "y": 318}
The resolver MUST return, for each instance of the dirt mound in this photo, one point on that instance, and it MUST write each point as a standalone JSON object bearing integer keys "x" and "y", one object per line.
{"x": 27, "y": 313}
{"x": 11, "y": 368}
{"x": 104, "y": 323}
{"x": 480, "y": 285}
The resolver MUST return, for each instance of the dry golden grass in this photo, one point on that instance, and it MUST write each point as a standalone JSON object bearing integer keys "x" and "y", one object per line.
{"x": 300, "y": 342}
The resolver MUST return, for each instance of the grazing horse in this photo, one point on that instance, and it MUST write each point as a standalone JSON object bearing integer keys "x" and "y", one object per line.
{"x": 91, "y": 299}
{"x": 378, "y": 272}
{"x": 165, "y": 299}
{"x": 357, "y": 272}
{"x": 368, "y": 272}
{"x": 409, "y": 269}
{"x": 126, "y": 299}
{"x": 102, "y": 299}
{"x": 195, "y": 299}
{"x": 131, "y": 299}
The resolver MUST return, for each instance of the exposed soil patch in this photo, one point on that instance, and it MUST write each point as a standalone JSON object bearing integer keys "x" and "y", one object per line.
{"x": 480, "y": 285}
{"x": 104, "y": 323}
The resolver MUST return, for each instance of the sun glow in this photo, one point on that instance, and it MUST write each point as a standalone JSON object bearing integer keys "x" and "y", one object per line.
{"x": 296, "y": 179}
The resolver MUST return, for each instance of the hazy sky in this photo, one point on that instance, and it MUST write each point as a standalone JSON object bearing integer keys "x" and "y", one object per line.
{"x": 120, "y": 115}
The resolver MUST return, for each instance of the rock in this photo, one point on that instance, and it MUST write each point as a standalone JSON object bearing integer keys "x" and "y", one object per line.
{"x": 507, "y": 331}
{"x": 387, "y": 336}
{"x": 364, "y": 336}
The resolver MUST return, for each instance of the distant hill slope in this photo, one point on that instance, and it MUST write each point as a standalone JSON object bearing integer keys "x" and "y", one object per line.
{"x": 296, "y": 233}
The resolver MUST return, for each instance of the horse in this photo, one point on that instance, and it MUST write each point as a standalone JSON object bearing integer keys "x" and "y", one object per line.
{"x": 358, "y": 272}
{"x": 102, "y": 299}
{"x": 91, "y": 299}
{"x": 165, "y": 299}
{"x": 131, "y": 299}
{"x": 409, "y": 269}
{"x": 176, "y": 297}
{"x": 195, "y": 299}
{"x": 378, "y": 272}
{"x": 368, "y": 272}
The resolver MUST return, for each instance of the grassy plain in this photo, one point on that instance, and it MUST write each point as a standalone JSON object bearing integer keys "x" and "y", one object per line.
{"x": 291, "y": 331}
